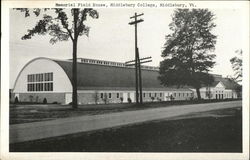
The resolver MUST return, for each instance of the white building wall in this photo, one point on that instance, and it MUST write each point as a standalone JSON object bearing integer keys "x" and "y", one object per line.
{"x": 61, "y": 82}
{"x": 219, "y": 89}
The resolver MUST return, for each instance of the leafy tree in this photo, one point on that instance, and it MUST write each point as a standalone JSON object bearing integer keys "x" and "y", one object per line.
{"x": 237, "y": 66}
{"x": 62, "y": 26}
{"x": 236, "y": 86}
{"x": 186, "y": 58}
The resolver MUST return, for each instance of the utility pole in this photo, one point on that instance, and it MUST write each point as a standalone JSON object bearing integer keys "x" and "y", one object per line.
{"x": 136, "y": 53}
{"x": 74, "y": 93}
{"x": 139, "y": 68}
{"x": 133, "y": 63}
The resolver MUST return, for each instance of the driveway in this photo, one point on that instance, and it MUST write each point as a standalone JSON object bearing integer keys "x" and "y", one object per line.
{"x": 64, "y": 126}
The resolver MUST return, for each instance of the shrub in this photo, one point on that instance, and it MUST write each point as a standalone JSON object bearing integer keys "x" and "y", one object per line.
{"x": 16, "y": 100}
{"x": 152, "y": 98}
{"x": 44, "y": 101}
{"x": 129, "y": 100}
{"x": 121, "y": 99}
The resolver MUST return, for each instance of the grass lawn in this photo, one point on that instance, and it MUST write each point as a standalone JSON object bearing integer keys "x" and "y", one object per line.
{"x": 213, "y": 131}
{"x": 33, "y": 113}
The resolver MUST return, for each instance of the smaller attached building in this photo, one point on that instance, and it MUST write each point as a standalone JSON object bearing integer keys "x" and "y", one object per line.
{"x": 222, "y": 88}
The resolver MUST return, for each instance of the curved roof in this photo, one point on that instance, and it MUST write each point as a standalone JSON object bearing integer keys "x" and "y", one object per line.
{"x": 94, "y": 76}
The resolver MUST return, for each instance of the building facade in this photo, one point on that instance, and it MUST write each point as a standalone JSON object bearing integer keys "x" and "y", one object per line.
{"x": 101, "y": 82}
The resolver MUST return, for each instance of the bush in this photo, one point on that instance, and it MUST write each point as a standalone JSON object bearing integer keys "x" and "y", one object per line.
{"x": 44, "y": 101}
{"x": 121, "y": 99}
{"x": 129, "y": 100}
{"x": 152, "y": 98}
{"x": 16, "y": 100}
{"x": 55, "y": 102}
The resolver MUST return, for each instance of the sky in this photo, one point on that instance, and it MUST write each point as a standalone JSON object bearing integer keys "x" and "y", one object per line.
{"x": 112, "y": 39}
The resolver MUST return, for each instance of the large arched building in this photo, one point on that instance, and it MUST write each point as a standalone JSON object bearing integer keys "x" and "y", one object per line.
{"x": 100, "y": 82}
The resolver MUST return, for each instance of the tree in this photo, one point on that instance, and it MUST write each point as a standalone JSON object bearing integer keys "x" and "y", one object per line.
{"x": 236, "y": 86}
{"x": 237, "y": 66}
{"x": 186, "y": 58}
{"x": 60, "y": 28}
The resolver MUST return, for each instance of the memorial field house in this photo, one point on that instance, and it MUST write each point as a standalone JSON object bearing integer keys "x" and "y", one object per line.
{"x": 100, "y": 82}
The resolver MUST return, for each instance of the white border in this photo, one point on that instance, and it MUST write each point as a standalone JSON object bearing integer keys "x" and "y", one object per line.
{"x": 5, "y": 154}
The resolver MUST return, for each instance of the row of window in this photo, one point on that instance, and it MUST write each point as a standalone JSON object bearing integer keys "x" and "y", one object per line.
{"x": 114, "y": 64}
{"x": 40, "y": 77}
{"x": 218, "y": 91}
{"x": 183, "y": 94}
{"x": 103, "y": 62}
{"x": 118, "y": 95}
{"x": 109, "y": 95}
{"x": 40, "y": 86}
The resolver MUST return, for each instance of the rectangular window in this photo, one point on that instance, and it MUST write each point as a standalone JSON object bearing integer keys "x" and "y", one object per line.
{"x": 174, "y": 94}
{"x": 31, "y": 87}
{"x": 118, "y": 95}
{"x": 149, "y": 94}
{"x": 101, "y": 95}
{"x": 29, "y": 78}
{"x": 36, "y": 87}
{"x": 41, "y": 86}
{"x": 179, "y": 94}
{"x": 41, "y": 77}
{"x": 160, "y": 94}
{"x": 46, "y": 77}
{"x": 28, "y": 87}
{"x": 110, "y": 95}
{"x": 50, "y": 86}
{"x": 51, "y": 76}
{"x": 155, "y": 94}
{"x": 144, "y": 94}
{"x": 37, "y": 78}
{"x": 32, "y": 78}
{"x": 45, "y": 86}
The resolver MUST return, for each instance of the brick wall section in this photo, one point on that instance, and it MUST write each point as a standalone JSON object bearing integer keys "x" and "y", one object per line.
{"x": 38, "y": 97}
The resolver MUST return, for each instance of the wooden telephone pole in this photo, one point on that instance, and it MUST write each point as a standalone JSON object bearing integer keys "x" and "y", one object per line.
{"x": 136, "y": 51}
{"x": 137, "y": 62}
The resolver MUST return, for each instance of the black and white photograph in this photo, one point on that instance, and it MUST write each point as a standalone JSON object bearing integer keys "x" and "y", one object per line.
{"x": 125, "y": 80}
